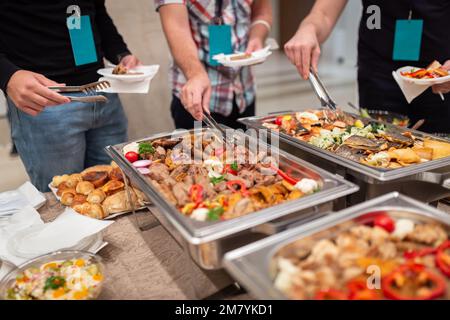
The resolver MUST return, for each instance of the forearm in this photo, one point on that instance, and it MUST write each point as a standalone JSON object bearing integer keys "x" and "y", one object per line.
{"x": 175, "y": 23}
{"x": 323, "y": 17}
{"x": 261, "y": 12}
{"x": 7, "y": 69}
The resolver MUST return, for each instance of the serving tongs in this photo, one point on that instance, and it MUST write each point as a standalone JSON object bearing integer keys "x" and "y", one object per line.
{"x": 321, "y": 91}
{"x": 212, "y": 124}
{"x": 90, "y": 88}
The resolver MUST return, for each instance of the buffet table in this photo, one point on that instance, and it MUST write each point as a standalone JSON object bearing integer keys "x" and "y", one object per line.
{"x": 149, "y": 264}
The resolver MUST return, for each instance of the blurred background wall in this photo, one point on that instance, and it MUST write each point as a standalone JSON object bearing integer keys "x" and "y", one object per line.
{"x": 279, "y": 86}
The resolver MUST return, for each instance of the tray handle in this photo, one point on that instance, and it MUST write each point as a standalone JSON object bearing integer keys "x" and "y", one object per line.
{"x": 277, "y": 226}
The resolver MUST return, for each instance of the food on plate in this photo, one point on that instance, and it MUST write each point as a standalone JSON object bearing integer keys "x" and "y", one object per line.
{"x": 68, "y": 196}
{"x": 440, "y": 149}
{"x": 85, "y": 187}
{"x": 216, "y": 188}
{"x": 119, "y": 202}
{"x": 120, "y": 70}
{"x": 75, "y": 279}
{"x": 95, "y": 211}
{"x": 334, "y": 264}
{"x": 386, "y": 116}
{"x": 113, "y": 186}
{"x": 57, "y": 180}
{"x": 93, "y": 188}
{"x": 97, "y": 178}
{"x": 73, "y": 180}
{"x": 361, "y": 140}
{"x": 433, "y": 71}
{"x": 241, "y": 57}
{"x": 96, "y": 197}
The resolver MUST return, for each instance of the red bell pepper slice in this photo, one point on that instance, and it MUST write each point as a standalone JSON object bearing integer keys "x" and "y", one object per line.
{"x": 242, "y": 187}
{"x": 285, "y": 176}
{"x": 330, "y": 294}
{"x": 359, "y": 291}
{"x": 409, "y": 273}
{"x": 412, "y": 254}
{"x": 196, "y": 193}
{"x": 443, "y": 258}
{"x": 229, "y": 169}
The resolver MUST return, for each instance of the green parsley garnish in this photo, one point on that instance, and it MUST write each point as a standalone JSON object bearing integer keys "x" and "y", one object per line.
{"x": 146, "y": 148}
{"x": 234, "y": 166}
{"x": 216, "y": 180}
{"x": 215, "y": 213}
{"x": 54, "y": 283}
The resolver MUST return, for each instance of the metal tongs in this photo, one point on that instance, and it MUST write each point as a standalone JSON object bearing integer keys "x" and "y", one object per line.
{"x": 88, "y": 89}
{"x": 321, "y": 91}
{"x": 211, "y": 123}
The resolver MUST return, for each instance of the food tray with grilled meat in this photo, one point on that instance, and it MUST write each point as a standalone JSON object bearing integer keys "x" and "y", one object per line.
{"x": 229, "y": 196}
{"x": 392, "y": 247}
{"x": 378, "y": 156}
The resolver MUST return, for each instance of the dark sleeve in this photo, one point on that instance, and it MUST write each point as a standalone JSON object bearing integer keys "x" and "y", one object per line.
{"x": 112, "y": 42}
{"x": 7, "y": 69}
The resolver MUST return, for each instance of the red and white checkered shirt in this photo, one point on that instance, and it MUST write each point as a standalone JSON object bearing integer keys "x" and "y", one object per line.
{"x": 227, "y": 83}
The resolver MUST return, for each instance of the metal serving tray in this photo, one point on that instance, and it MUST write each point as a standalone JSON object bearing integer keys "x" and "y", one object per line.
{"x": 251, "y": 265}
{"x": 208, "y": 241}
{"x": 428, "y": 181}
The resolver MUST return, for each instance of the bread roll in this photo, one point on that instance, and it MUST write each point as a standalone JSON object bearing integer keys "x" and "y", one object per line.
{"x": 78, "y": 199}
{"x": 73, "y": 180}
{"x": 112, "y": 187}
{"x": 97, "y": 178}
{"x": 99, "y": 168}
{"x": 85, "y": 187}
{"x": 62, "y": 186}
{"x": 67, "y": 197}
{"x": 93, "y": 211}
{"x": 116, "y": 174}
{"x": 57, "y": 180}
{"x": 96, "y": 197}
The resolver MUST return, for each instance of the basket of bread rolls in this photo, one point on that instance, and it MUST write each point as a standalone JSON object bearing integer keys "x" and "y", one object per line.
{"x": 97, "y": 192}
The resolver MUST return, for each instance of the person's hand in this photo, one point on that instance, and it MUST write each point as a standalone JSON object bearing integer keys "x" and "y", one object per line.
{"x": 29, "y": 92}
{"x": 254, "y": 44}
{"x": 303, "y": 50}
{"x": 196, "y": 95}
{"x": 130, "y": 62}
{"x": 443, "y": 87}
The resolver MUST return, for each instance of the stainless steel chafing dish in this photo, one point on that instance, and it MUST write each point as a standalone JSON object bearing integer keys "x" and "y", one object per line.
{"x": 252, "y": 265}
{"x": 428, "y": 182}
{"x": 207, "y": 242}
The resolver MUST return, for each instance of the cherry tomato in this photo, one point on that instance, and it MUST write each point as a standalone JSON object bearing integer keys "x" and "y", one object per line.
{"x": 385, "y": 222}
{"x": 132, "y": 156}
{"x": 279, "y": 120}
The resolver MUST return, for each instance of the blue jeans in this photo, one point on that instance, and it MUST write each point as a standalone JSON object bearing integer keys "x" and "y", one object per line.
{"x": 66, "y": 138}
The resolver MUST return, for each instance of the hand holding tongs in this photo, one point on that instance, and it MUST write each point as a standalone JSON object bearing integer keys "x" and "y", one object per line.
{"x": 321, "y": 91}
{"x": 90, "y": 88}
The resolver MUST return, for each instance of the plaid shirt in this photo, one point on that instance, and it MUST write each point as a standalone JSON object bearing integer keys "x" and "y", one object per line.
{"x": 227, "y": 83}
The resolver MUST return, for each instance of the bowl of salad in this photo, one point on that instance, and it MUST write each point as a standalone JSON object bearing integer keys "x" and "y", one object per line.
{"x": 62, "y": 275}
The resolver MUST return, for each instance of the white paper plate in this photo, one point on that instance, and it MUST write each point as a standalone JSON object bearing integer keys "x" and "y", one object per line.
{"x": 148, "y": 73}
{"x": 256, "y": 58}
{"x": 423, "y": 82}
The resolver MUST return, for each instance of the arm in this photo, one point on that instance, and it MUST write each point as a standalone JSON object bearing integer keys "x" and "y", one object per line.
{"x": 113, "y": 44}
{"x": 261, "y": 11}
{"x": 196, "y": 93}
{"x": 304, "y": 48}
